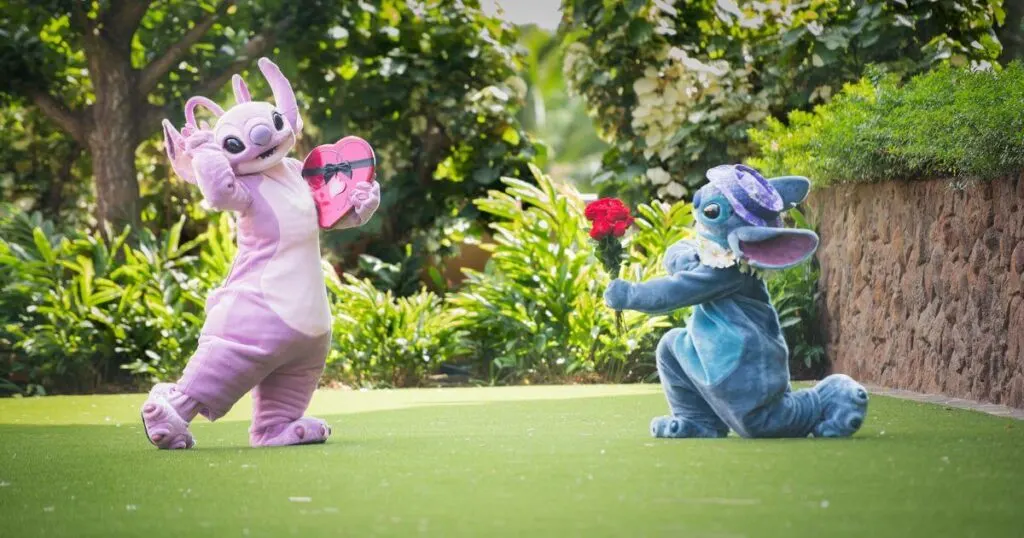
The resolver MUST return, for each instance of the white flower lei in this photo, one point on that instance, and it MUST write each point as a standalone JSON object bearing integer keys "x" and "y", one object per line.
{"x": 714, "y": 255}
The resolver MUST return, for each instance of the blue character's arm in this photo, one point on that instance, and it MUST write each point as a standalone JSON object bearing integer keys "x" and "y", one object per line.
{"x": 682, "y": 256}
{"x": 685, "y": 288}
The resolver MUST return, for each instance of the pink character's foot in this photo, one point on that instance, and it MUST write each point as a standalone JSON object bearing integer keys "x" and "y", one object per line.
{"x": 305, "y": 431}
{"x": 165, "y": 428}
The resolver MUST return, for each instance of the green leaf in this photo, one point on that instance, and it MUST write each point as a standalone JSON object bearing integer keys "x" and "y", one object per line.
{"x": 511, "y": 135}
{"x": 640, "y": 31}
{"x": 43, "y": 246}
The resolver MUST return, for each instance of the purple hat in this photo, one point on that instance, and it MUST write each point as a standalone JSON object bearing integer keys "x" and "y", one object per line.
{"x": 749, "y": 193}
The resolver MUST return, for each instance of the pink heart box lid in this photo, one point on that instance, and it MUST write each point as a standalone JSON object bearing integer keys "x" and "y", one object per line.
{"x": 332, "y": 170}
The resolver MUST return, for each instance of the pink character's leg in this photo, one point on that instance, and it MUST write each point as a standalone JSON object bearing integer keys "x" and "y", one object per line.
{"x": 166, "y": 415}
{"x": 280, "y": 401}
{"x": 219, "y": 373}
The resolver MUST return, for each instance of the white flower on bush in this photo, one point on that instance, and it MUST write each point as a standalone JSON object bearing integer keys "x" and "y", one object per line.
{"x": 665, "y": 99}
{"x": 672, "y": 191}
{"x": 658, "y": 176}
{"x": 518, "y": 87}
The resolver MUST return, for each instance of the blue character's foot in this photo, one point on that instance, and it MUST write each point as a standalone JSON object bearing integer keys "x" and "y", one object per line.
{"x": 683, "y": 428}
{"x": 844, "y": 403}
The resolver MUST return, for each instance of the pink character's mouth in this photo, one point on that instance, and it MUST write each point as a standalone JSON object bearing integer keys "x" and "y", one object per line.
{"x": 268, "y": 153}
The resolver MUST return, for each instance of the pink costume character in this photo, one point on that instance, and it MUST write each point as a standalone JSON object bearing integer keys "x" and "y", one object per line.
{"x": 268, "y": 328}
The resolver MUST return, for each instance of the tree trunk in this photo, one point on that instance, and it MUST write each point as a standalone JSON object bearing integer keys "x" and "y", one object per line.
{"x": 1011, "y": 35}
{"x": 113, "y": 136}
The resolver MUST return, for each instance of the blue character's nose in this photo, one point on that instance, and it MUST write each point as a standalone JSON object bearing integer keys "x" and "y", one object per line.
{"x": 260, "y": 135}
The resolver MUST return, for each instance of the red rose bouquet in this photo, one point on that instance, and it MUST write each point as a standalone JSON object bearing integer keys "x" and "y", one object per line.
{"x": 610, "y": 219}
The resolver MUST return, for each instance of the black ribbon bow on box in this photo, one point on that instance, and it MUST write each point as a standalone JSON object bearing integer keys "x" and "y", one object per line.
{"x": 343, "y": 167}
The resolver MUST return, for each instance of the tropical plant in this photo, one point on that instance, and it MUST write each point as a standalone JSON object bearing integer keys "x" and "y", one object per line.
{"x": 537, "y": 312}
{"x": 381, "y": 340}
{"x": 954, "y": 123}
{"x": 795, "y": 295}
{"x": 676, "y": 86}
{"x": 81, "y": 310}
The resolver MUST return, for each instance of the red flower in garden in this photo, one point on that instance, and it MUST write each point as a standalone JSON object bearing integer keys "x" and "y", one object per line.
{"x": 610, "y": 217}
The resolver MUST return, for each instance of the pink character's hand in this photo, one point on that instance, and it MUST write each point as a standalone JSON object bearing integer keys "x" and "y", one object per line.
{"x": 198, "y": 140}
{"x": 216, "y": 178}
{"x": 365, "y": 200}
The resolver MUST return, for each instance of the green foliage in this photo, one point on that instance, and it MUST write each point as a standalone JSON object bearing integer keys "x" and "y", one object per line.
{"x": 78, "y": 308}
{"x": 947, "y": 123}
{"x": 383, "y": 340}
{"x": 433, "y": 87}
{"x": 795, "y": 295}
{"x": 552, "y": 115}
{"x": 677, "y": 85}
{"x": 537, "y": 312}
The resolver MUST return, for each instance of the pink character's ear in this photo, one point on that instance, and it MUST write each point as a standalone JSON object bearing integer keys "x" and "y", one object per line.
{"x": 241, "y": 90}
{"x": 174, "y": 144}
{"x": 193, "y": 102}
{"x": 284, "y": 96}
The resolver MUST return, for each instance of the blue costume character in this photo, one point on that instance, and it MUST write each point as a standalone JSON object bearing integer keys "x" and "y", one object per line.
{"x": 730, "y": 367}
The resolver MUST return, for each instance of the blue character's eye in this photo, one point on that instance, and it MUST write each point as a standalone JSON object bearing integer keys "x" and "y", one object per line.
{"x": 712, "y": 211}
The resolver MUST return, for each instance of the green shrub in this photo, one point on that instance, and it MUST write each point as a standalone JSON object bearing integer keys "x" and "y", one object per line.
{"x": 674, "y": 87}
{"x": 947, "y": 123}
{"x": 794, "y": 294}
{"x": 79, "y": 309}
{"x": 537, "y": 313}
{"x": 383, "y": 340}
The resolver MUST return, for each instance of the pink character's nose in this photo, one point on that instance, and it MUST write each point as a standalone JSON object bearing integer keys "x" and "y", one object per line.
{"x": 260, "y": 135}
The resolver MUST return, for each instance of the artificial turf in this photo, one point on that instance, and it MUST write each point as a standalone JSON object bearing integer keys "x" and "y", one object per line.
{"x": 550, "y": 461}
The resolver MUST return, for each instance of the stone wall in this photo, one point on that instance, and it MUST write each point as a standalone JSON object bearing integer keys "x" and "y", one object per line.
{"x": 923, "y": 285}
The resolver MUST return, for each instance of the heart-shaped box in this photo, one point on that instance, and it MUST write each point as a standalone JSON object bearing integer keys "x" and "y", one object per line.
{"x": 332, "y": 170}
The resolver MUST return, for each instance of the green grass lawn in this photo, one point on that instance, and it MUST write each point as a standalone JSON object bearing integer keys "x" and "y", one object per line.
{"x": 553, "y": 461}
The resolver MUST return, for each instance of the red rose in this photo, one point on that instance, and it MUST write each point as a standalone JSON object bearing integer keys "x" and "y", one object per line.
{"x": 601, "y": 229}
{"x": 619, "y": 227}
{"x": 604, "y": 208}
{"x": 610, "y": 217}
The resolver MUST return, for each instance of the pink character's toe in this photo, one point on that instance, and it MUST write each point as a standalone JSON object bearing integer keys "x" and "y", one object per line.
{"x": 300, "y": 432}
{"x": 164, "y": 427}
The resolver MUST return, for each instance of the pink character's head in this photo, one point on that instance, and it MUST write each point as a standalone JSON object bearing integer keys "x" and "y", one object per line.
{"x": 253, "y": 135}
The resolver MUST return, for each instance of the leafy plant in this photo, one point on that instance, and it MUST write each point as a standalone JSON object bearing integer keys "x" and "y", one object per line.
{"x": 383, "y": 340}
{"x": 81, "y": 310}
{"x": 947, "y": 123}
{"x": 676, "y": 86}
{"x": 795, "y": 295}
{"x": 537, "y": 312}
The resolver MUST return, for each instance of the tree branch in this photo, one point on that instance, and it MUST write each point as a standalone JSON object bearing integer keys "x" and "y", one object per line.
{"x": 152, "y": 73}
{"x": 72, "y": 122}
{"x": 123, "y": 17}
{"x": 254, "y": 48}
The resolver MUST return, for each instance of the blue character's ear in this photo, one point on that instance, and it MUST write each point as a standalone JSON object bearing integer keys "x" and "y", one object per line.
{"x": 773, "y": 248}
{"x": 793, "y": 189}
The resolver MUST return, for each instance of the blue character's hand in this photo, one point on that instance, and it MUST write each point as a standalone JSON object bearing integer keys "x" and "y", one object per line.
{"x": 617, "y": 294}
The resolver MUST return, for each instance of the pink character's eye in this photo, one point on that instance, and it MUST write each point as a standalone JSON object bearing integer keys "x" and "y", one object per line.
{"x": 278, "y": 121}
{"x": 233, "y": 145}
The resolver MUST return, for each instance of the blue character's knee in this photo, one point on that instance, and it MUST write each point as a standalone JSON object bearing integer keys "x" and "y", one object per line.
{"x": 665, "y": 353}
{"x": 844, "y": 404}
